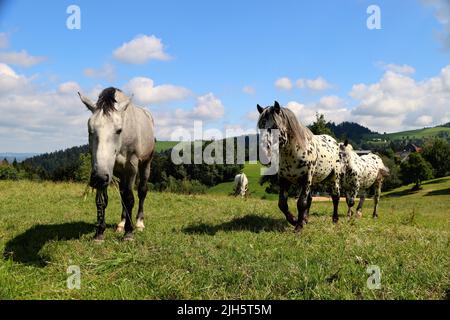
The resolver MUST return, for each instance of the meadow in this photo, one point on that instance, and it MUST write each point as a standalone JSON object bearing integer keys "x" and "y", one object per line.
{"x": 215, "y": 246}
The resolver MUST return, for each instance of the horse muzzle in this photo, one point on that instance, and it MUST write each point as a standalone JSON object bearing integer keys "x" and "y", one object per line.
{"x": 99, "y": 181}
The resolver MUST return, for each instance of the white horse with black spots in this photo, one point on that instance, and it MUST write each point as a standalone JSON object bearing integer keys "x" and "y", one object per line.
{"x": 305, "y": 160}
{"x": 360, "y": 173}
{"x": 241, "y": 185}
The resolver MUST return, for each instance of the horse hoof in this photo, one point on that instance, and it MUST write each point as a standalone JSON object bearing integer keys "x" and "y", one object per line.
{"x": 128, "y": 237}
{"x": 140, "y": 225}
{"x": 358, "y": 214}
{"x": 99, "y": 238}
{"x": 335, "y": 220}
{"x": 120, "y": 229}
{"x": 298, "y": 228}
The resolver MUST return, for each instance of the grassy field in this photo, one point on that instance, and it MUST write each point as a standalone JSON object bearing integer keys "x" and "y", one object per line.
{"x": 419, "y": 134}
{"x": 217, "y": 246}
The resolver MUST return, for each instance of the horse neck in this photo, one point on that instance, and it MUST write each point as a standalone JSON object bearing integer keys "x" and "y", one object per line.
{"x": 353, "y": 159}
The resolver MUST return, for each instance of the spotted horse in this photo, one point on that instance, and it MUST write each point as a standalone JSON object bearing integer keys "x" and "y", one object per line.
{"x": 360, "y": 173}
{"x": 305, "y": 160}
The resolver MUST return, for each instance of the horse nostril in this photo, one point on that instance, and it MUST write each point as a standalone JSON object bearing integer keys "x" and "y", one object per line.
{"x": 107, "y": 177}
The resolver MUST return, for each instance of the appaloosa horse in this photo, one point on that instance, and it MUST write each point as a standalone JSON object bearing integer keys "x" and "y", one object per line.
{"x": 305, "y": 160}
{"x": 121, "y": 140}
{"x": 360, "y": 173}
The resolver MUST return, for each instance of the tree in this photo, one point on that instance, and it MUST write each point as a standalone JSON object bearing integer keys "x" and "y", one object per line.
{"x": 83, "y": 171}
{"x": 415, "y": 170}
{"x": 437, "y": 153}
{"x": 320, "y": 126}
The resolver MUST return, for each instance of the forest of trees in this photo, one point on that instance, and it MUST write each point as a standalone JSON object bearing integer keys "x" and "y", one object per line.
{"x": 74, "y": 164}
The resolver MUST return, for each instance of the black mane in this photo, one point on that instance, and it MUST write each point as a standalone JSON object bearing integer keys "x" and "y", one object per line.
{"x": 107, "y": 99}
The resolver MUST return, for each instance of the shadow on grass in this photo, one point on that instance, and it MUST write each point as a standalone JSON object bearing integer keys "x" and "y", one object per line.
{"x": 25, "y": 247}
{"x": 442, "y": 192}
{"x": 401, "y": 193}
{"x": 250, "y": 222}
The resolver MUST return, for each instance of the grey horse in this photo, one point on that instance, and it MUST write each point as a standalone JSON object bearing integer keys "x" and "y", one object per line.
{"x": 121, "y": 141}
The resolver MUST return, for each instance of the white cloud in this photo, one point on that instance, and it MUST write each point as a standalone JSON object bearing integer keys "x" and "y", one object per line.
{"x": 140, "y": 50}
{"x": 10, "y": 81}
{"x": 208, "y": 107}
{"x": 317, "y": 84}
{"x": 333, "y": 109}
{"x": 21, "y": 58}
{"x": 4, "y": 41}
{"x": 249, "y": 90}
{"x": 40, "y": 120}
{"x": 399, "y": 102}
{"x": 401, "y": 69}
{"x": 283, "y": 84}
{"x": 146, "y": 93}
{"x": 107, "y": 71}
{"x": 442, "y": 13}
{"x": 70, "y": 87}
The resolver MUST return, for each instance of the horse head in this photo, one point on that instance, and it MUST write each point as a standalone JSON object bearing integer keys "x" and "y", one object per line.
{"x": 105, "y": 133}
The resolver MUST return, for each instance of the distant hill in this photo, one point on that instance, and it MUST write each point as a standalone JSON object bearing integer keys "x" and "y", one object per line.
{"x": 435, "y": 132}
{"x": 10, "y": 156}
{"x": 350, "y": 130}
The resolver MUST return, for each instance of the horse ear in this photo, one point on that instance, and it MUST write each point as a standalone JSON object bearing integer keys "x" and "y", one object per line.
{"x": 88, "y": 103}
{"x": 277, "y": 107}
{"x": 123, "y": 105}
{"x": 346, "y": 142}
{"x": 260, "y": 109}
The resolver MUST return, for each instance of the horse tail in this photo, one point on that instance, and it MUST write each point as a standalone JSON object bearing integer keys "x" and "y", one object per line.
{"x": 384, "y": 171}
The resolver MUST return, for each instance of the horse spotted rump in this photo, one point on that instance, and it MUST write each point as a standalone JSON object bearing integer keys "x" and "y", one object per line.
{"x": 359, "y": 173}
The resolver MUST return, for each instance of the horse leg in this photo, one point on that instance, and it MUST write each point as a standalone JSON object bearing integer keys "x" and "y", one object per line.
{"x": 360, "y": 205}
{"x": 335, "y": 196}
{"x": 101, "y": 201}
{"x": 349, "y": 210}
{"x": 377, "y": 199}
{"x": 283, "y": 202}
{"x": 309, "y": 202}
{"x": 144, "y": 174}
{"x": 302, "y": 207}
{"x": 128, "y": 200}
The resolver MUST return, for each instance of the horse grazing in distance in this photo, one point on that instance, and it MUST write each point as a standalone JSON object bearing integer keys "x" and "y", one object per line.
{"x": 305, "y": 160}
{"x": 360, "y": 173}
{"x": 241, "y": 185}
{"x": 121, "y": 141}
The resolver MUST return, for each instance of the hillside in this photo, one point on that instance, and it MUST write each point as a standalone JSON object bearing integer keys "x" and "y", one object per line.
{"x": 221, "y": 247}
{"x": 436, "y": 132}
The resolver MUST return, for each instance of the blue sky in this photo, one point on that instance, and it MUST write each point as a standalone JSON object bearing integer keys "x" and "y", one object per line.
{"x": 215, "y": 60}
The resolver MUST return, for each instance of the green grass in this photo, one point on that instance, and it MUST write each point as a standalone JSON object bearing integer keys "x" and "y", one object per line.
{"x": 253, "y": 173}
{"x": 217, "y": 246}
{"x": 419, "y": 134}
{"x": 165, "y": 145}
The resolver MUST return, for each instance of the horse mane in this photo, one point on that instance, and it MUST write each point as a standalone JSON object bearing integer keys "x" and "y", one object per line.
{"x": 298, "y": 132}
{"x": 107, "y": 99}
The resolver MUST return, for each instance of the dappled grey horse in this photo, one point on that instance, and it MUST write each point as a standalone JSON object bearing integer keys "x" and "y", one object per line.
{"x": 121, "y": 141}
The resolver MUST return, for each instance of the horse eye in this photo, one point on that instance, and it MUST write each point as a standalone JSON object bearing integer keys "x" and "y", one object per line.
{"x": 119, "y": 131}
